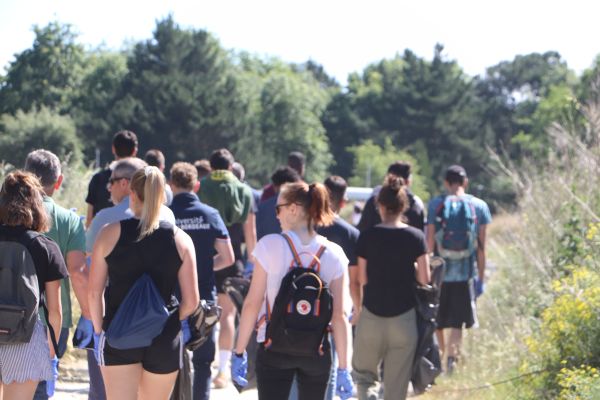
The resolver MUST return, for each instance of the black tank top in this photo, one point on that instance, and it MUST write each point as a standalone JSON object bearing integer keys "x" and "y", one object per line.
{"x": 155, "y": 255}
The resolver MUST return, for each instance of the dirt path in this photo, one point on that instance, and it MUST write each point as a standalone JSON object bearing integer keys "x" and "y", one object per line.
{"x": 74, "y": 382}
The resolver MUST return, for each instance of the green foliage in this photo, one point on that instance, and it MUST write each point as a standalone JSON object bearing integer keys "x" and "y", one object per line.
{"x": 180, "y": 93}
{"x": 286, "y": 117}
{"x": 37, "y": 129}
{"x": 569, "y": 335}
{"x": 75, "y": 184}
{"x": 581, "y": 383}
{"x": 45, "y": 75}
{"x": 95, "y": 100}
{"x": 372, "y": 161}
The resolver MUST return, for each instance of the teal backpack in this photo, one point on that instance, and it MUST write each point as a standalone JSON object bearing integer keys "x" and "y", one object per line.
{"x": 456, "y": 228}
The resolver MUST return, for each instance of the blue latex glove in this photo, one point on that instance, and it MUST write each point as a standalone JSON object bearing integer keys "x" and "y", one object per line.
{"x": 84, "y": 332}
{"x": 248, "y": 270}
{"x": 239, "y": 369}
{"x": 479, "y": 287}
{"x": 344, "y": 384}
{"x": 97, "y": 338}
{"x": 51, "y": 383}
{"x": 185, "y": 331}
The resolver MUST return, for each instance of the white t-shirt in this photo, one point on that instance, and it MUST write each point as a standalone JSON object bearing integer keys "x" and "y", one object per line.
{"x": 274, "y": 255}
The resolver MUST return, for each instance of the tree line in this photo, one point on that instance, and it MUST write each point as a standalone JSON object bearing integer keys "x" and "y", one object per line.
{"x": 182, "y": 92}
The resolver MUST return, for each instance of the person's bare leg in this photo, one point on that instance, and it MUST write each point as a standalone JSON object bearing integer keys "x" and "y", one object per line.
{"x": 18, "y": 391}
{"x": 454, "y": 342}
{"x": 122, "y": 381}
{"x": 156, "y": 386}
{"x": 226, "y": 337}
{"x": 453, "y": 351}
{"x": 441, "y": 342}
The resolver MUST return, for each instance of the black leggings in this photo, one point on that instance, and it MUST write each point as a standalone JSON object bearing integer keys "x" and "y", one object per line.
{"x": 275, "y": 373}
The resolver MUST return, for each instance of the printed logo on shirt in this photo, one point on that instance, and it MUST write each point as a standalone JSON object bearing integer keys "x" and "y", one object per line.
{"x": 303, "y": 307}
{"x": 192, "y": 224}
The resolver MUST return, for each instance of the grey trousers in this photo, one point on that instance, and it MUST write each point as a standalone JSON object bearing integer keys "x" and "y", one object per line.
{"x": 392, "y": 340}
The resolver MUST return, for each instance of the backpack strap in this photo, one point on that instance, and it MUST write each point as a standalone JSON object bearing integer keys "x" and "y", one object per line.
{"x": 293, "y": 249}
{"x": 50, "y": 329}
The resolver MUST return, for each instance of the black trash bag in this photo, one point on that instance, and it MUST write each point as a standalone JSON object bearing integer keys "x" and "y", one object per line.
{"x": 183, "y": 384}
{"x": 202, "y": 322}
{"x": 427, "y": 364}
{"x": 237, "y": 289}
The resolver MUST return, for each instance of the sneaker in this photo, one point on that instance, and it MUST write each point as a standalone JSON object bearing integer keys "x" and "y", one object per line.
{"x": 221, "y": 380}
{"x": 451, "y": 363}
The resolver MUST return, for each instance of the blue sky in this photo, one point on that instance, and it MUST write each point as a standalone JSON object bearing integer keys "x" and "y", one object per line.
{"x": 343, "y": 36}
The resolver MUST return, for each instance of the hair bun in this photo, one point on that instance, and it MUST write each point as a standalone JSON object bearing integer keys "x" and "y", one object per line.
{"x": 395, "y": 183}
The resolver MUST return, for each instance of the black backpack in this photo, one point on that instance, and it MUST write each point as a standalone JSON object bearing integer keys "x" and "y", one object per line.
{"x": 299, "y": 322}
{"x": 19, "y": 290}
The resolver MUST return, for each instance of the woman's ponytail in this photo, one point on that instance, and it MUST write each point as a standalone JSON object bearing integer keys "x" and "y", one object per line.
{"x": 313, "y": 198}
{"x": 148, "y": 183}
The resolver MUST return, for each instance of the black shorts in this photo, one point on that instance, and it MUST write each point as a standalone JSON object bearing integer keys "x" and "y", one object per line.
{"x": 236, "y": 270}
{"x": 457, "y": 306}
{"x": 163, "y": 356}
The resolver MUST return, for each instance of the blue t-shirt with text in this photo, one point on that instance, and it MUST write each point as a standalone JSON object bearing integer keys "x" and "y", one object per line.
{"x": 205, "y": 226}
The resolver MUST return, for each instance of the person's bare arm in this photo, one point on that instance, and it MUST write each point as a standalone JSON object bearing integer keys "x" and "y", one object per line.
{"x": 423, "y": 272}
{"x": 361, "y": 277}
{"x": 89, "y": 215}
{"x": 252, "y": 305}
{"x": 355, "y": 288}
{"x": 250, "y": 234}
{"x": 187, "y": 275}
{"x": 430, "y": 238}
{"x": 78, "y": 274}
{"x": 339, "y": 322}
{"x": 52, "y": 290}
{"x": 481, "y": 254}
{"x": 105, "y": 242}
{"x": 224, "y": 257}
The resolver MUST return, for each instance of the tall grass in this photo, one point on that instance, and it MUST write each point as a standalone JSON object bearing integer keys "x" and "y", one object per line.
{"x": 531, "y": 252}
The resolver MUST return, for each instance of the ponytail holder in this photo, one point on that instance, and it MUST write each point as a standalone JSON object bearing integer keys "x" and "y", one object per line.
{"x": 147, "y": 170}
{"x": 311, "y": 188}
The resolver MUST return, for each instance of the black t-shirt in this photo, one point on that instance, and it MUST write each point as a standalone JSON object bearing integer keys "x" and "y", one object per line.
{"x": 49, "y": 263}
{"x": 391, "y": 254}
{"x": 155, "y": 255}
{"x": 344, "y": 234}
{"x": 415, "y": 214}
{"x": 98, "y": 195}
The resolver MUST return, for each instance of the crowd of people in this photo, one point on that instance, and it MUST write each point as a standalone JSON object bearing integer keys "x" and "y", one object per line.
{"x": 332, "y": 305}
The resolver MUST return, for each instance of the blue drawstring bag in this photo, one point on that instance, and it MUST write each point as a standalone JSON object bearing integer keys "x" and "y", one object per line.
{"x": 140, "y": 317}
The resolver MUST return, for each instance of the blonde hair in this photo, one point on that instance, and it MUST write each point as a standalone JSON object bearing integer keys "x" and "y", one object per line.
{"x": 148, "y": 183}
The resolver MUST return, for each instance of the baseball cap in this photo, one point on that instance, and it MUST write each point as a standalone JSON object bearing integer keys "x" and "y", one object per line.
{"x": 455, "y": 173}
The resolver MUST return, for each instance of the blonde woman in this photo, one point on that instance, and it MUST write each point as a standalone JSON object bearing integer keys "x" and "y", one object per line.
{"x": 123, "y": 252}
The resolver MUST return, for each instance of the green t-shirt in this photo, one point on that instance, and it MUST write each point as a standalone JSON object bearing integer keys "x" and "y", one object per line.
{"x": 232, "y": 198}
{"x": 68, "y": 232}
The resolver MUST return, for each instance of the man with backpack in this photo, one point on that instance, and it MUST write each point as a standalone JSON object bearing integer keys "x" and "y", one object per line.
{"x": 213, "y": 252}
{"x": 67, "y": 231}
{"x": 456, "y": 231}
